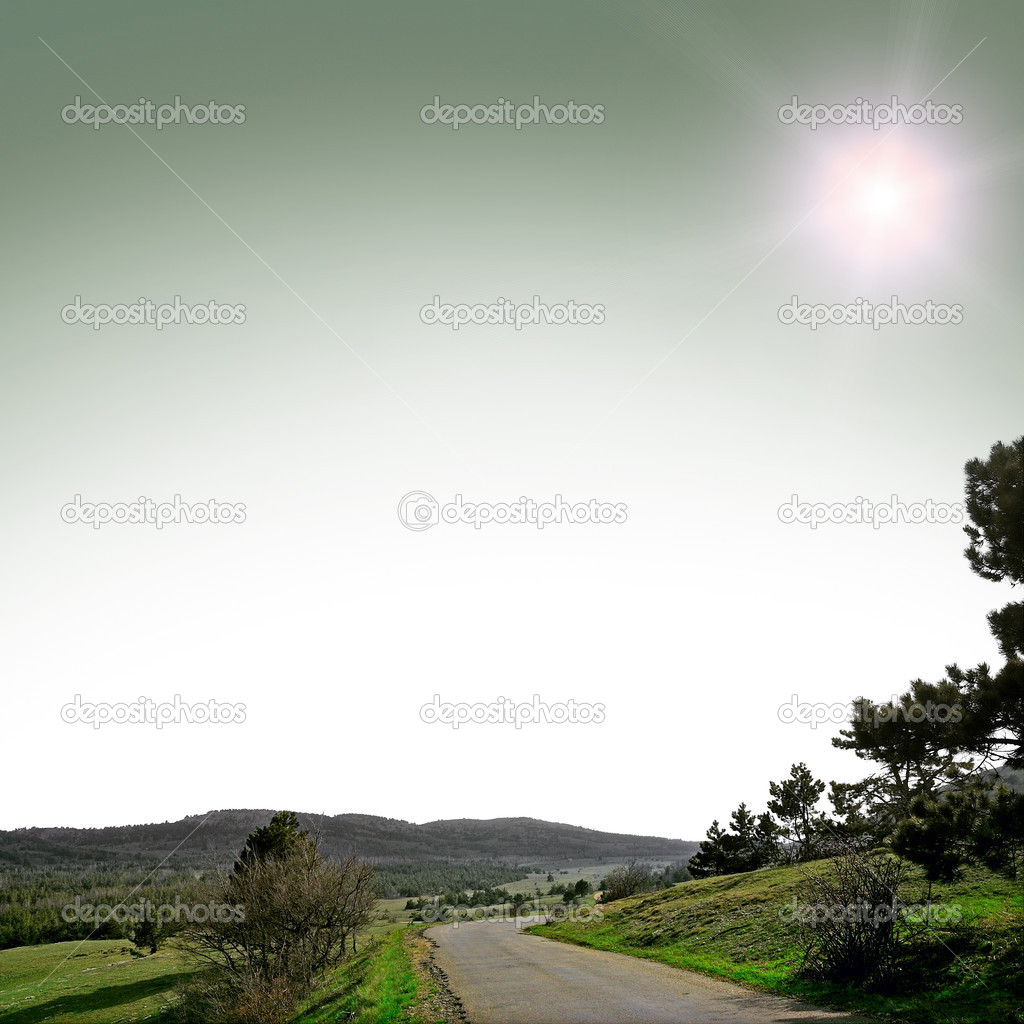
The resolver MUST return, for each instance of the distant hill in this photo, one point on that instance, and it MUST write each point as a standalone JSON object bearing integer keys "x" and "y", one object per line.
{"x": 199, "y": 841}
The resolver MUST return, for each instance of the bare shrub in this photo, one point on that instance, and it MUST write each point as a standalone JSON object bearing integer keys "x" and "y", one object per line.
{"x": 850, "y": 917}
{"x": 296, "y": 913}
{"x": 245, "y": 1000}
{"x": 625, "y": 881}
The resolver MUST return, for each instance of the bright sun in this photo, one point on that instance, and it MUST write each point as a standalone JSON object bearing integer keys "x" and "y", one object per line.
{"x": 884, "y": 201}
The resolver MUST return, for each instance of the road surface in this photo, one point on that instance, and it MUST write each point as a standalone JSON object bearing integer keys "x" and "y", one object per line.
{"x": 506, "y": 976}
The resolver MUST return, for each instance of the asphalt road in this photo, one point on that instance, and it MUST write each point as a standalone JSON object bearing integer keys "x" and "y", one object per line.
{"x": 506, "y": 976}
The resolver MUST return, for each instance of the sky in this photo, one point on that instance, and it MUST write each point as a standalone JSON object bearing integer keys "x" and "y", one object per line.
{"x": 675, "y": 247}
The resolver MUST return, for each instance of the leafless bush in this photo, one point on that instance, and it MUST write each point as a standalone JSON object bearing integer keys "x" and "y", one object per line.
{"x": 626, "y": 881}
{"x": 298, "y": 912}
{"x": 850, "y": 917}
{"x": 230, "y": 1000}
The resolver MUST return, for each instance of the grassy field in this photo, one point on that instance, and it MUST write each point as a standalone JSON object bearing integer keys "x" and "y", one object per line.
{"x": 99, "y": 982}
{"x": 730, "y": 927}
{"x": 390, "y": 914}
{"x": 102, "y": 983}
{"x": 572, "y": 871}
{"x": 106, "y": 982}
{"x": 88, "y": 983}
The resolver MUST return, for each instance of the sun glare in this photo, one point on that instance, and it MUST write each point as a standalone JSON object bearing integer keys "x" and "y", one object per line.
{"x": 884, "y": 201}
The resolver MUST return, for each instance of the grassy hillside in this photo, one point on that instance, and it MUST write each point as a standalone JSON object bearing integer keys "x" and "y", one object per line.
{"x": 86, "y": 983}
{"x": 100, "y": 982}
{"x": 731, "y": 927}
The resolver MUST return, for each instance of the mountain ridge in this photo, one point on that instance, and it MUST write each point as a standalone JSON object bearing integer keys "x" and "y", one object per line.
{"x": 195, "y": 840}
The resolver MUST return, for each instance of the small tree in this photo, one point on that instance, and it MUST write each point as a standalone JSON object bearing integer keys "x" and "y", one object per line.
{"x": 998, "y": 838}
{"x": 712, "y": 857}
{"x": 519, "y": 904}
{"x": 966, "y": 826}
{"x": 995, "y": 505}
{"x": 272, "y": 842}
{"x": 858, "y": 822}
{"x": 933, "y": 837}
{"x": 793, "y": 803}
{"x": 629, "y": 880}
{"x": 147, "y": 934}
{"x": 752, "y": 843}
{"x": 289, "y": 915}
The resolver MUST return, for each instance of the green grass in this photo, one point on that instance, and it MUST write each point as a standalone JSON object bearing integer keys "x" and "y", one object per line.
{"x": 97, "y": 982}
{"x": 726, "y": 927}
{"x": 730, "y": 927}
{"x": 102, "y": 983}
{"x": 378, "y": 986}
{"x": 571, "y": 871}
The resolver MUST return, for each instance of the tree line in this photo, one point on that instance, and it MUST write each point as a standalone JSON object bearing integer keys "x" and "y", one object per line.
{"x": 32, "y": 899}
{"x": 941, "y": 752}
{"x": 944, "y": 787}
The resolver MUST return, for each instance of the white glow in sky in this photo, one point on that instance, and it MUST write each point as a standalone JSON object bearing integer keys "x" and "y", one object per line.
{"x": 885, "y": 201}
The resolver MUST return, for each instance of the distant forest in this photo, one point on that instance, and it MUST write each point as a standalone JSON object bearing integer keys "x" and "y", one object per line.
{"x": 44, "y": 870}
{"x": 199, "y": 841}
